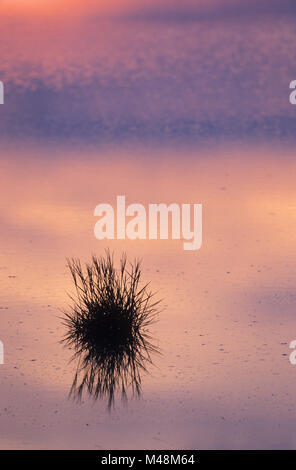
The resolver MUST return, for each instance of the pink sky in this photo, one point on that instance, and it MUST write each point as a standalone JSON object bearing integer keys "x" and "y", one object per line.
{"x": 104, "y": 6}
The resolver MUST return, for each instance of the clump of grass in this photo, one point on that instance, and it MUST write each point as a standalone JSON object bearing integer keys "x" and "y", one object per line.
{"x": 107, "y": 326}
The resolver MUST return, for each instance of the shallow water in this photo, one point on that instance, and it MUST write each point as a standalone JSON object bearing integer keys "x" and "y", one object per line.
{"x": 224, "y": 378}
{"x": 160, "y": 109}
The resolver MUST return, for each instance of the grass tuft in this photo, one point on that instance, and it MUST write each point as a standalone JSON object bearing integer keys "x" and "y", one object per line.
{"x": 107, "y": 326}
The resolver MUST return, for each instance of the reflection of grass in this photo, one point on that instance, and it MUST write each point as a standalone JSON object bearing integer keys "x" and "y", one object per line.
{"x": 107, "y": 326}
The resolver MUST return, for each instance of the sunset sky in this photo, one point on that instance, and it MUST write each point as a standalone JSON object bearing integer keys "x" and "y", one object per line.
{"x": 146, "y": 7}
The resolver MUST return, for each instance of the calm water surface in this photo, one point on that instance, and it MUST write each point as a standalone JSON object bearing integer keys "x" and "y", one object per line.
{"x": 159, "y": 111}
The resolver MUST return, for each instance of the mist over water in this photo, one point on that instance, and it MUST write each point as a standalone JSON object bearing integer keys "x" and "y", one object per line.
{"x": 147, "y": 82}
{"x": 224, "y": 378}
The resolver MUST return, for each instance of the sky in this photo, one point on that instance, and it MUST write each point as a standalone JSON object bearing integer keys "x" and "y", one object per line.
{"x": 154, "y": 8}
